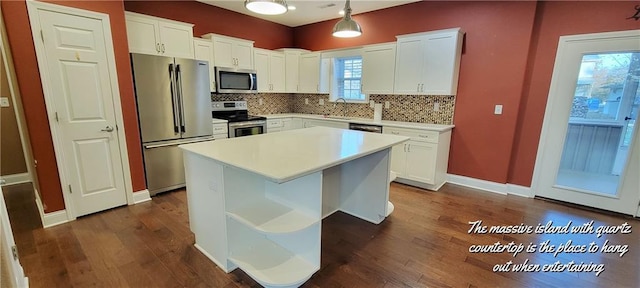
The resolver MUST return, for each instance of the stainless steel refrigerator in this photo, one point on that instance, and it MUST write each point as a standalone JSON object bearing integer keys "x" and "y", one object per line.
{"x": 174, "y": 107}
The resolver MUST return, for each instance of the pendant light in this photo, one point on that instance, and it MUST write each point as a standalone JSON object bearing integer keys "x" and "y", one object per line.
{"x": 346, "y": 27}
{"x": 266, "y": 7}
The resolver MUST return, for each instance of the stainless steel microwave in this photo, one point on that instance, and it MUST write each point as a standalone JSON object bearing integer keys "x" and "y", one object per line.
{"x": 230, "y": 80}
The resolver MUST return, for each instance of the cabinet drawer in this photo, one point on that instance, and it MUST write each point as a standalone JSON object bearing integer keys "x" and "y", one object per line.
{"x": 274, "y": 123}
{"x": 220, "y": 129}
{"x": 416, "y": 135}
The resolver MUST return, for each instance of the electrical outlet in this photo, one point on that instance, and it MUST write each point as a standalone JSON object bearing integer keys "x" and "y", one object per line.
{"x": 372, "y": 103}
{"x": 306, "y": 101}
{"x": 436, "y": 106}
{"x": 4, "y": 102}
{"x": 260, "y": 101}
{"x": 321, "y": 102}
{"x": 497, "y": 110}
{"x": 386, "y": 105}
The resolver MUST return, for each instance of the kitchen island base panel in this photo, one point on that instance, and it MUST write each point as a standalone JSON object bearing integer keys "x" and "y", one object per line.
{"x": 272, "y": 231}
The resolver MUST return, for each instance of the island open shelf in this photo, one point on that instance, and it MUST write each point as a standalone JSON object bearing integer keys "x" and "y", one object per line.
{"x": 257, "y": 203}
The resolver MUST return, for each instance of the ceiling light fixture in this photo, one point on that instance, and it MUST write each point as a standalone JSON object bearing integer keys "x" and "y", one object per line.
{"x": 266, "y": 7}
{"x": 346, "y": 27}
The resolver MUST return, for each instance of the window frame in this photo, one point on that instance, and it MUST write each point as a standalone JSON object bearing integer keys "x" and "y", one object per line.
{"x": 334, "y": 57}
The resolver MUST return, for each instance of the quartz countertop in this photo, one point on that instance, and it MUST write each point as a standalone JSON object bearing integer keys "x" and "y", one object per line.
{"x": 398, "y": 124}
{"x": 287, "y": 155}
{"x": 218, "y": 121}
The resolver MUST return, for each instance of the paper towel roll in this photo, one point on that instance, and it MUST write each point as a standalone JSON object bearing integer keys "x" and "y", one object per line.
{"x": 377, "y": 113}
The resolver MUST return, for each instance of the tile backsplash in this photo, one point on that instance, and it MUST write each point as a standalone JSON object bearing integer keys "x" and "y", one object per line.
{"x": 407, "y": 108}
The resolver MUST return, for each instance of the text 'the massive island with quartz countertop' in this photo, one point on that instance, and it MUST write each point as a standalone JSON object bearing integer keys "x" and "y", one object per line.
{"x": 257, "y": 203}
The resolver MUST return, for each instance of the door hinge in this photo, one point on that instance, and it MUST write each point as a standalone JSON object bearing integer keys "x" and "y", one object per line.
{"x": 116, "y": 126}
{"x": 70, "y": 190}
{"x": 14, "y": 251}
{"x": 57, "y": 119}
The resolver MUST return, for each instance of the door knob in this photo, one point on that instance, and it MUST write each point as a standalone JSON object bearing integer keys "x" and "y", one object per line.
{"x": 107, "y": 129}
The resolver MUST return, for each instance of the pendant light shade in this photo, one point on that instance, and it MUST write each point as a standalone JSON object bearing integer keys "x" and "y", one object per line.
{"x": 266, "y": 7}
{"x": 346, "y": 27}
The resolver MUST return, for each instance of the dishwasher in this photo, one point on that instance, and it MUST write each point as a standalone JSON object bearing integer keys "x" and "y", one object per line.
{"x": 374, "y": 129}
{"x": 365, "y": 127}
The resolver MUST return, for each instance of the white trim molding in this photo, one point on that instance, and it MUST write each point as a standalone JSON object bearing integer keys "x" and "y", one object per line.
{"x": 55, "y": 218}
{"x": 141, "y": 196}
{"x": 15, "y": 179}
{"x": 499, "y": 188}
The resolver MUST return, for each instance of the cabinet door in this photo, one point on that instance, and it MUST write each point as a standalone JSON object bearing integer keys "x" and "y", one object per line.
{"x": 421, "y": 161}
{"x": 142, "y": 35}
{"x": 203, "y": 50}
{"x": 309, "y": 72}
{"x": 441, "y": 64}
{"x": 243, "y": 52}
{"x": 378, "y": 69}
{"x": 176, "y": 40}
{"x": 262, "y": 69}
{"x": 292, "y": 63}
{"x": 222, "y": 52}
{"x": 398, "y": 160}
{"x": 277, "y": 72}
{"x": 287, "y": 124}
{"x": 409, "y": 66}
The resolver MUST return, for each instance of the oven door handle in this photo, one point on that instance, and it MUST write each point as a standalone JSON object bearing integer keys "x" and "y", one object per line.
{"x": 246, "y": 124}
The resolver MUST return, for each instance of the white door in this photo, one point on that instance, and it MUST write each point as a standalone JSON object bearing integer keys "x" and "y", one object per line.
{"x": 80, "y": 84}
{"x": 589, "y": 151}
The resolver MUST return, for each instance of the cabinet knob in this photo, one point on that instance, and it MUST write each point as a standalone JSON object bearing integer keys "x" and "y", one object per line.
{"x": 158, "y": 47}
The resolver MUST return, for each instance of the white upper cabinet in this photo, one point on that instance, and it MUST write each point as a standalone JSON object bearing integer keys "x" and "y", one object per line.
{"x": 314, "y": 73}
{"x": 270, "y": 68}
{"x": 428, "y": 63}
{"x": 231, "y": 52}
{"x": 292, "y": 68}
{"x": 203, "y": 50}
{"x": 309, "y": 73}
{"x": 378, "y": 68}
{"x": 157, "y": 36}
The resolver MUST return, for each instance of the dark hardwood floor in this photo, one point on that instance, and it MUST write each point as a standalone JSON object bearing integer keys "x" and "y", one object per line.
{"x": 424, "y": 243}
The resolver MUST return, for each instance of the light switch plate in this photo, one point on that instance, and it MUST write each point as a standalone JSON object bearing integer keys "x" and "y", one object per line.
{"x": 436, "y": 106}
{"x": 260, "y": 101}
{"x": 497, "y": 110}
{"x": 372, "y": 103}
{"x": 386, "y": 104}
{"x": 321, "y": 101}
{"x": 4, "y": 102}
{"x": 306, "y": 101}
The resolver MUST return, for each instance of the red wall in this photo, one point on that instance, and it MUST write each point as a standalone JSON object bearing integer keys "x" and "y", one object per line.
{"x": 492, "y": 70}
{"x": 556, "y": 18}
{"x": 21, "y": 42}
{"x": 211, "y": 19}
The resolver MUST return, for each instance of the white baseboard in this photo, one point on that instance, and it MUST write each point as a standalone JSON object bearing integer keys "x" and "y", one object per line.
{"x": 15, "y": 179}
{"x": 513, "y": 189}
{"x": 500, "y": 188}
{"x": 141, "y": 196}
{"x": 55, "y": 218}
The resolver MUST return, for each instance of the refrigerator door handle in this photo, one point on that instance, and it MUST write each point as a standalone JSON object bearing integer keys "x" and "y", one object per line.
{"x": 173, "y": 99}
{"x": 181, "y": 103}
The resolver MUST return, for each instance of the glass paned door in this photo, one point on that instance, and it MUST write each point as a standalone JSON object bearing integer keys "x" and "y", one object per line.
{"x": 589, "y": 147}
{"x": 601, "y": 121}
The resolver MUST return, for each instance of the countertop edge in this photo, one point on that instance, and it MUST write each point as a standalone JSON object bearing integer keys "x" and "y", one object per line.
{"x": 397, "y": 124}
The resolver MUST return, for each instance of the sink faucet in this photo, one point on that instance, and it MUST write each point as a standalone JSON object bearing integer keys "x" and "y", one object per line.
{"x": 346, "y": 109}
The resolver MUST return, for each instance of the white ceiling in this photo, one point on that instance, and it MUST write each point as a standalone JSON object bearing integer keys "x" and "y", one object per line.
{"x": 309, "y": 11}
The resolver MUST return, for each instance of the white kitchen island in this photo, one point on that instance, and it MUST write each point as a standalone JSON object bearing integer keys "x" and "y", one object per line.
{"x": 257, "y": 203}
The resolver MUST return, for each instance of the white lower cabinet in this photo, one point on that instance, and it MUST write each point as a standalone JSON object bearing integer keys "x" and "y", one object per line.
{"x": 220, "y": 131}
{"x": 306, "y": 123}
{"x": 422, "y": 161}
{"x": 280, "y": 124}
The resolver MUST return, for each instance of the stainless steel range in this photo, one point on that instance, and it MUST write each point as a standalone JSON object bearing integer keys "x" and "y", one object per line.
{"x": 240, "y": 122}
